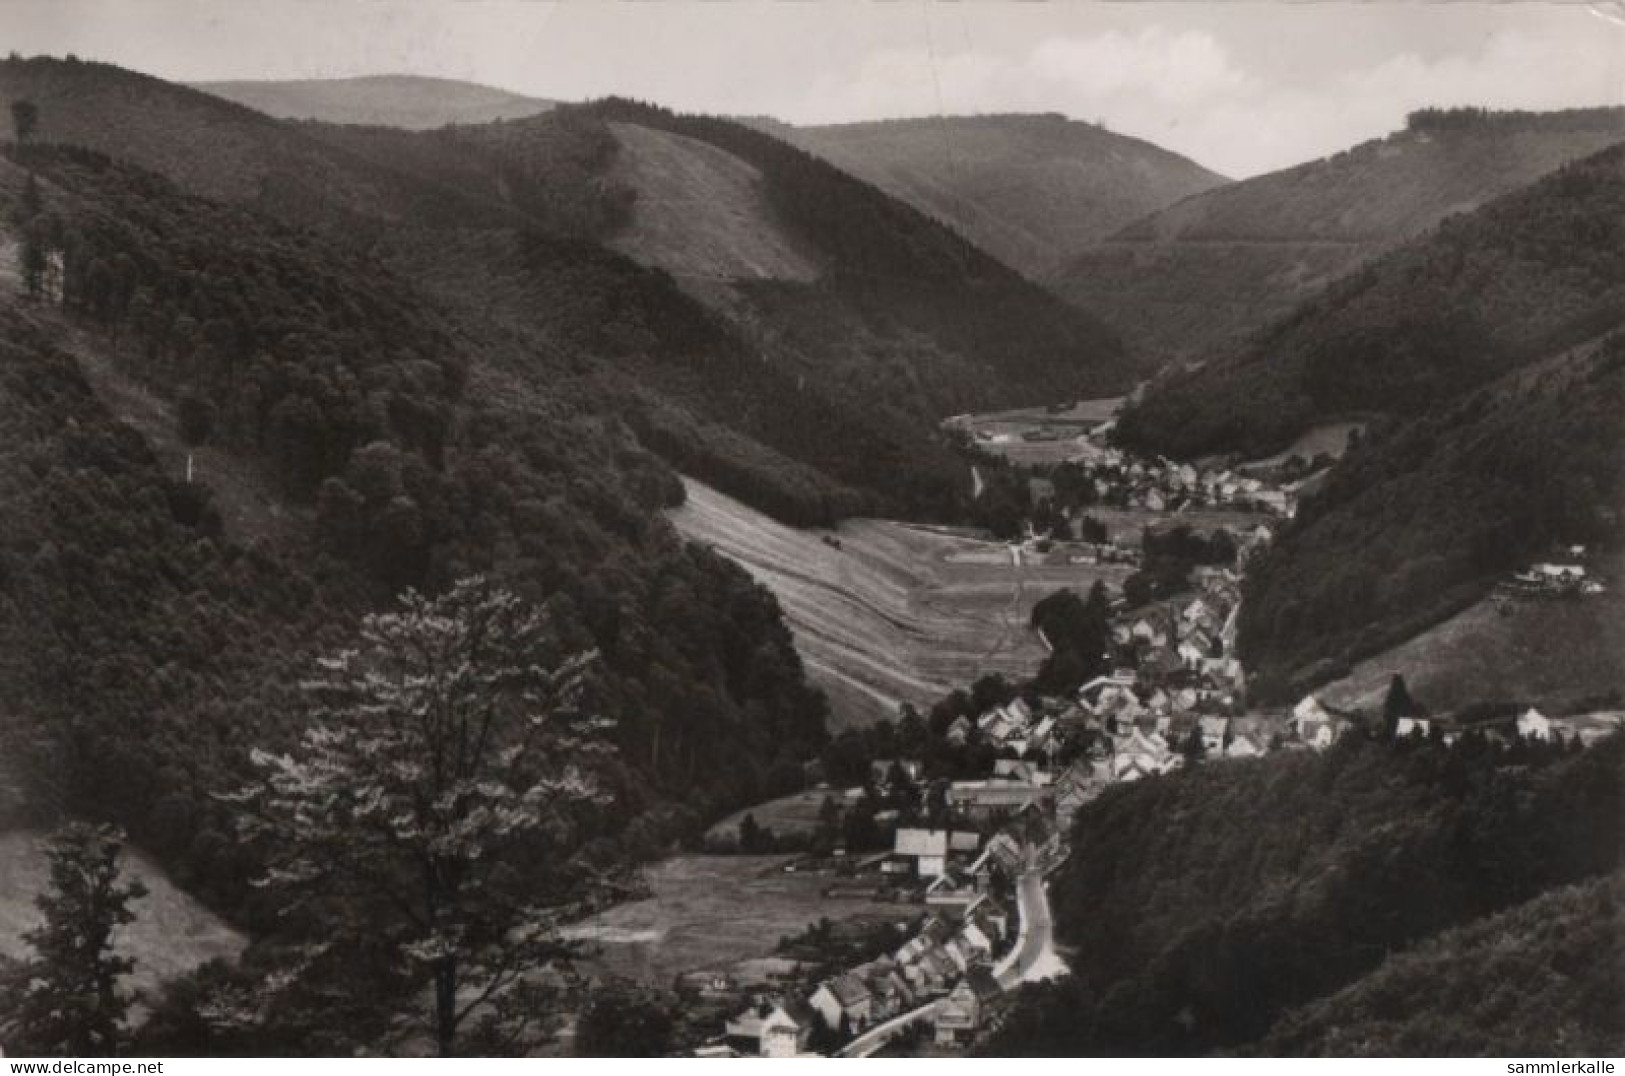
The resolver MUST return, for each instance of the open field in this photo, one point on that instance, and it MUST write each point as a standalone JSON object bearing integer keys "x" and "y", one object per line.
{"x": 1065, "y": 427}
{"x": 172, "y": 933}
{"x": 1545, "y": 652}
{"x": 711, "y": 912}
{"x": 898, "y": 613}
{"x": 1088, "y": 412}
{"x": 795, "y": 813}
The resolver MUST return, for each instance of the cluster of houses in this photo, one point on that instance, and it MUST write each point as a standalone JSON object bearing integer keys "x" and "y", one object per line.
{"x": 1318, "y": 726}
{"x": 1586, "y": 728}
{"x": 1014, "y": 727}
{"x": 948, "y": 960}
{"x": 1187, "y": 646}
{"x": 1554, "y": 579}
{"x": 1161, "y": 485}
{"x": 1531, "y": 725}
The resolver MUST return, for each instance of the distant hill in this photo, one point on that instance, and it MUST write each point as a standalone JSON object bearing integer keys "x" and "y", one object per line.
{"x": 1484, "y": 293}
{"x": 410, "y": 101}
{"x": 1032, "y": 190}
{"x": 219, "y": 149}
{"x": 1191, "y": 282}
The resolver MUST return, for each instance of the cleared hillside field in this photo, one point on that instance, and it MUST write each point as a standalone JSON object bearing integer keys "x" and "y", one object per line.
{"x": 1550, "y": 653}
{"x": 898, "y": 613}
{"x": 700, "y": 212}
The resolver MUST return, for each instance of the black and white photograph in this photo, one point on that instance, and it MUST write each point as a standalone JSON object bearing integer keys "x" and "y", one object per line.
{"x": 912, "y": 529}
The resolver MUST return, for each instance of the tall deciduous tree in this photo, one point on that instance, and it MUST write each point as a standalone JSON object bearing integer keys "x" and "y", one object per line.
{"x": 445, "y": 775}
{"x": 66, "y": 998}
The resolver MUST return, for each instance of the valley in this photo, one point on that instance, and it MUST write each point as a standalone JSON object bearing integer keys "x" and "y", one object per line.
{"x": 446, "y": 526}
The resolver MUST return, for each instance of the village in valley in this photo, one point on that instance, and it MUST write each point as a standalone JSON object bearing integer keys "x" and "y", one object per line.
{"x": 956, "y": 816}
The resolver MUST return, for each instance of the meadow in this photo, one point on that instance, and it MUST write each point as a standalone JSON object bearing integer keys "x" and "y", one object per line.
{"x": 711, "y": 913}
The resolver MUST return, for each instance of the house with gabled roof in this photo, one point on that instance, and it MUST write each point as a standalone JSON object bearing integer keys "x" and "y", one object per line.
{"x": 961, "y": 1016}
{"x": 980, "y": 935}
{"x": 1414, "y": 725}
{"x": 1316, "y": 725}
{"x": 1002, "y": 854}
{"x": 1246, "y": 744}
{"x": 985, "y": 798}
{"x": 846, "y": 997}
{"x": 889, "y": 990}
{"x": 992, "y": 911}
{"x": 933, "y": 932}
{"x": 782, "y": 1028}
{"x": 1214, "y": 731}
{"x": 927, "y": 848}
{"x": 932, "y": 973}
{"x": 960, "y": 951}
{"x": 1534, "y": 725}
{"x": 1015, "y": 769}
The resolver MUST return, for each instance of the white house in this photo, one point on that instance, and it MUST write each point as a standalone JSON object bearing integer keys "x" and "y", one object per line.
{"x": 1418, "y": 726}
{"x": 927, "y": 847}
{"x": 1534, "y": 725}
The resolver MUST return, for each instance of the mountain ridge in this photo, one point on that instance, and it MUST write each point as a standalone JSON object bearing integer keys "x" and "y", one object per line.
{"x": 1030, "y": 188}
{"x": 412, "y": 102}
{"x": 1196, "y": 279}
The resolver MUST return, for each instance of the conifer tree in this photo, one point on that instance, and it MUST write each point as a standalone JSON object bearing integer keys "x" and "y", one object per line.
{"x": 65, "y": 999}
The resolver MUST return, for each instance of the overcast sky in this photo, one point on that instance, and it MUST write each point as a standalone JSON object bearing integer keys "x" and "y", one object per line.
{"x": 1241, "y": 87}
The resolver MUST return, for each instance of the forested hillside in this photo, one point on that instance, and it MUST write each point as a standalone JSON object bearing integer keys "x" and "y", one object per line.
{"x": 1542, "y": 980}
{"x": 1480, "y": 356}
{"x": 1520, "y": 279}
{"x": 801, "y": 397}
{"x": 1206, "y": 906}
{"x": 147, "y": 650}
{"x": 222, "y": 150}
{"x": 1415, "y": 525}
{"x": 1032, "y": 190}
{"x": 924, "y": 307}
{"x": 1194, "y": 281}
